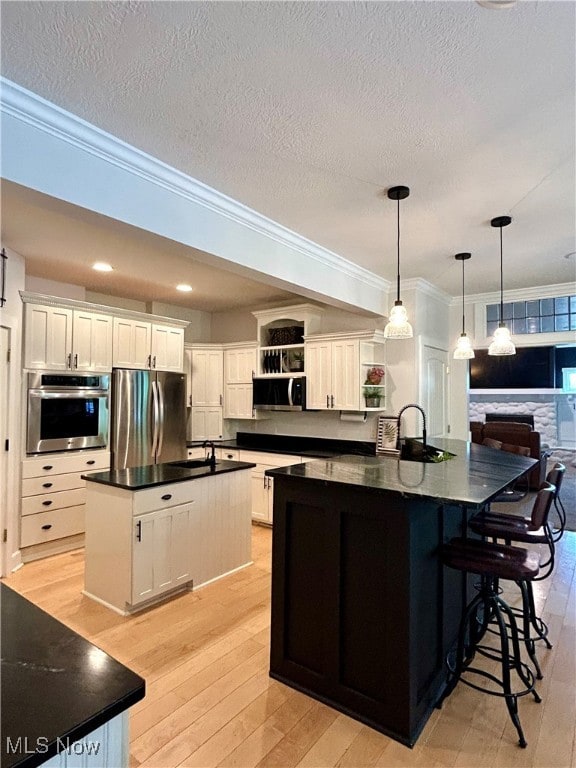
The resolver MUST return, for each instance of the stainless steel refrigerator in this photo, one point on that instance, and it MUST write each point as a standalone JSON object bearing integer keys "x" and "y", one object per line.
{"x": 148, "y": 424}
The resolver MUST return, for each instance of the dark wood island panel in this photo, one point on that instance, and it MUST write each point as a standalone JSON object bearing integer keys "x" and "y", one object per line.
{"x": 363, "y": 612}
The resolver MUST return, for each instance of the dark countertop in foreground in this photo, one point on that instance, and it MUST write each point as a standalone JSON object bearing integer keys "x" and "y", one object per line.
{"x": 473, "y": 477}
{"x": 139, "y": 478}
{"x": 55, "y": 684}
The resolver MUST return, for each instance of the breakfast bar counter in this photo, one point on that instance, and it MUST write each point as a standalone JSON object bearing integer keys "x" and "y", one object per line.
{"x": 363, "y": 613}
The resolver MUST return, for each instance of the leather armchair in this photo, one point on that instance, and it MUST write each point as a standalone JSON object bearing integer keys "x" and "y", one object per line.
{"x": 512, "y": 433}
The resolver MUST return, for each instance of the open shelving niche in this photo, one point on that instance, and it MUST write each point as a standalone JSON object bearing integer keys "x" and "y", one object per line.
{"x": 285, "y": 356}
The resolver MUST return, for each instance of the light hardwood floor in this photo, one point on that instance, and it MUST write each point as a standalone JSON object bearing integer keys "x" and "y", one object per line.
{"x": 210, "y": 702}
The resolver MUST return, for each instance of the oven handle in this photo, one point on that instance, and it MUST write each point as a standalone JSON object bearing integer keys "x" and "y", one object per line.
{"x": 83, "y": 394}
{"x": 154, "y": 417}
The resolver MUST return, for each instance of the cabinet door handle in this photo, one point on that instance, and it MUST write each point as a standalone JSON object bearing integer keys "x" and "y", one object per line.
{"x": 220, "y": 399}
{"x": 327, "y": 401}
{"x": 92, "y": 461}
{"x": 69, "y": 360}
{"x": 149, "y": 361}
{"x": 167, "y": 497}
{"x": 47, "y": 527}
{"x": 331, "y": 401}
{"x": 139, "y": 530}
{"x": 229, "y": 455}
{"x": 47, "y": 467}
{"x": 154, "y": 362}
{"x": 76, "y": 360}
{"x": 46, "y": 503}
{"x": 46, "y": 485}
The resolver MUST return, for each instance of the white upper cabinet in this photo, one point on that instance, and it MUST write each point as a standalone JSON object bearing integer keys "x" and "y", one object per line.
{"x": 240, "y": 364}
{"x": 337, "y": 369}
{"x": 70, "y": 335}
{"x": 63, "y": 339}
{"x": 167, "y": 348}
{"x": 207, "y": 376}
{"x": 138, "y": 344}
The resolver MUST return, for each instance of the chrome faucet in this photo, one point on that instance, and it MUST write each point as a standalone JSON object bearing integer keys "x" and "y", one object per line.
{"x": 419, "y": 408}
{"x": 212, "y": 457}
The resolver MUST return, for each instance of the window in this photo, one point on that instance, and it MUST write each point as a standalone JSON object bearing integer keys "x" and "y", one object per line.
{"x": 535, "y": 316}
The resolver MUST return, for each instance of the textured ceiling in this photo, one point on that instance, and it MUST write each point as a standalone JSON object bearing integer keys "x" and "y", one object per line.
{"x": 306, "y": 111}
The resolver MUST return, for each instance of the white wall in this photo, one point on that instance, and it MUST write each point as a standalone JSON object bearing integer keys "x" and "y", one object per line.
{"x": 11, "y": 318}
{"x": 55, "y": 288}
{"x": 307, "y": 424}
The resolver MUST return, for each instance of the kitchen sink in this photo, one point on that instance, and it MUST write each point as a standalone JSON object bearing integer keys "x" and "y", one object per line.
{"x": 414, "y": 450}
{"x": 191, "y": 463}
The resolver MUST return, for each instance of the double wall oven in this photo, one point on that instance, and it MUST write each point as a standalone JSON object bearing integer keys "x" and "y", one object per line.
{"x": 67, "y": 411}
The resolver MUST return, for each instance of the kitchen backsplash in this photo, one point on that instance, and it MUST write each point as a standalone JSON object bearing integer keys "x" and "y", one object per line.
{"x": 307, "y": 424}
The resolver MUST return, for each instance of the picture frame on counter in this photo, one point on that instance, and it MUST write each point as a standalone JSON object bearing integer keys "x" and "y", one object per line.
{"x": 387, "y": 436}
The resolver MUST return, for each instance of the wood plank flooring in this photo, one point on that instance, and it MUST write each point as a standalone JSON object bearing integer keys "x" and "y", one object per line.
{"x": 210, "y": 702}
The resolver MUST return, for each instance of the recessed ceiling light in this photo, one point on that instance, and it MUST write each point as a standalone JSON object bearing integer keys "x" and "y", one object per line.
{"x": 496, "y": 4}
{"x": 101, "y": 266}
{"x": 184, "y": 287}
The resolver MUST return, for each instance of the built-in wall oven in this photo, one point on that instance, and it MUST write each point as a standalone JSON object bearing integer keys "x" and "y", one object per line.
{"x": 66, "y": 411}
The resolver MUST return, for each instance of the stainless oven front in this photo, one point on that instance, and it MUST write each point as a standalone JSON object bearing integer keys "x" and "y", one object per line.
{"x": 67, "y": 411}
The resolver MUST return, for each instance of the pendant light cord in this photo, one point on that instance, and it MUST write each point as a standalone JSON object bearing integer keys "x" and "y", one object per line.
{"x": 501, "y": 284}
{"x": 398, "y": 255}
{"x": 463, "y": 326}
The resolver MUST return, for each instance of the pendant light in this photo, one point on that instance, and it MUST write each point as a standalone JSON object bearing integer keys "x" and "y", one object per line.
{"x": 502, "y": 343}
{"x": 463, "y": 349}
{"x": 398, "y": 326}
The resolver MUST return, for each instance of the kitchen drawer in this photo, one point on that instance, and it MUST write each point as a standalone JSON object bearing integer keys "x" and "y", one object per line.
{"x": 47, "y": 526}
{"x": 228, "y": 454}
{"x": 34, "y": 486}
{"x": 196, "y": 453}
{"x": 163, "y": 496}
{"x": 47, "y": 465}
{"x": 31, "y": 505}
{"x": 270, "y": 459}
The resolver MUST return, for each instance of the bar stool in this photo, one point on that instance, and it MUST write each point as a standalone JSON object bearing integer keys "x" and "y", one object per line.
{"x": 529, "y": 530}
{"x": 491, "y": 562}
{"x": 555, "y": 476}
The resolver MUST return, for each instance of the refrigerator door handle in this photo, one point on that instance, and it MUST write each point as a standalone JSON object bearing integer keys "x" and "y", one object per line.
{"x": 155, "y": 418}
{"x": 160, "y": 392}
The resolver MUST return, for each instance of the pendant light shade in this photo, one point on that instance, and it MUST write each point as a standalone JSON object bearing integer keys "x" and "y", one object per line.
{"x": 502, "y": 344}
{"x": 398, "y": 326}
{"x": 463, "y": 349}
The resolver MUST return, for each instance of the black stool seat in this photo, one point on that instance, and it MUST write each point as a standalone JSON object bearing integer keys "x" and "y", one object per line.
{"x": 491, "y": 562}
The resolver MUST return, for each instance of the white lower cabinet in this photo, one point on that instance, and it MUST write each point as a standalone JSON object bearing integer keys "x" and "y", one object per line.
{"x": 161, "y": 551}
{"x": 263, "y": 486}
{"x": 142, "y": 545}
{"x": 53, "y": 496}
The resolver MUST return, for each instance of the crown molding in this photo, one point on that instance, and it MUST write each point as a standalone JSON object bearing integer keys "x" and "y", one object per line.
{"x": 28, "y": 297}
{"x": 45, "y": 116}
{"x": 423, "y": 286}
{"x": 520, "y": 294}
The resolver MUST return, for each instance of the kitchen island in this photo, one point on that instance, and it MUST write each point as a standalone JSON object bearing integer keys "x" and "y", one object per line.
{"x": 64, "y": 701}
{"x": 154, "y": 530}
{"x": 363, "y": 612}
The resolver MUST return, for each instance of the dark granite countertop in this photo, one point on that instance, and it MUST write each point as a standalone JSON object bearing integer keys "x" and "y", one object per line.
{"x": 473, "y": 477}
{"x": 139, "y": 478}
{"x": 55, "y": 684}
{"x": 316, "y": 447}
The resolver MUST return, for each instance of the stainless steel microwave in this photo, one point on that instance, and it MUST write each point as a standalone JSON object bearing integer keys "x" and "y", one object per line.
{"x": 279, "y": 393}
{"x": 66, "y": 411}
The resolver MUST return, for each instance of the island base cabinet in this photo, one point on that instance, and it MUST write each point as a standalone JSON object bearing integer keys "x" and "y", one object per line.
{"x": 161, "y": 551}
{"x": 137, "y": 553}
{"x": 363, "y": 612}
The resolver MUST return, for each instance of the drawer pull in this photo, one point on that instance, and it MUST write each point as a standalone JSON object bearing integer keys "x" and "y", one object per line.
{"x": 92, "y": 461}
{"x": 167, "y": 497}
{"x": 47, "y": 467}
{"x": 47, "y": 527}
{"x": 47, "y": 485}
{"x": 46, "y": 503}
